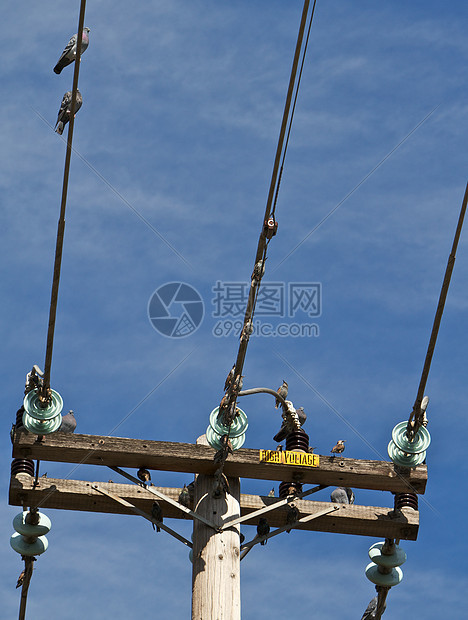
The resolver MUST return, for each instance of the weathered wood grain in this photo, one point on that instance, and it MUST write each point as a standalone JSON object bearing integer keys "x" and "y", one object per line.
{"x": 191, "y": 458}
{"x": 80, "y": 495}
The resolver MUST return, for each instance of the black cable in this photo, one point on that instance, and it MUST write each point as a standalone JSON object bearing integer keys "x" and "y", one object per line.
{"x": 61, "y": 222}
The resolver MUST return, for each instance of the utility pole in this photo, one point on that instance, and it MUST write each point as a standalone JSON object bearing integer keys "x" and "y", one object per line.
{"x": 218, "y": 507}
{"x": 216, "y": 555}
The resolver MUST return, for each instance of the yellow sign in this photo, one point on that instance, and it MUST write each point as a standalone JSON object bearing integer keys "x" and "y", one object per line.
{"x": 289, "y": 458}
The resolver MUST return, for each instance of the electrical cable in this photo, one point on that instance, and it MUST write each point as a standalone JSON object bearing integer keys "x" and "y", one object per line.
{"x": 61, "y": 223}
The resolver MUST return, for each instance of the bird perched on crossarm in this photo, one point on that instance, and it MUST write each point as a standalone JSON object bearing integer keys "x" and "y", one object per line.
{"x": 156, "y": 513}
{"x": 69, "y": 53}
{"x": 293, "y": 515}
{"x": 184, "y": 497}
{"x": 339, "y": 447}
{"x": 68, "y": 424}
{"x": 342, "y": 495}
{"x": 144, "y": 475}
{"x": 282, "y": 391}
{"x": 263, "y": 529}
{"x": 286, "y": 428}
{"x": 64, "y": 114}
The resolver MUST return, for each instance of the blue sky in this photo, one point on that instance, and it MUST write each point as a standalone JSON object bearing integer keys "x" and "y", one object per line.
{"x": 181, "y": 114}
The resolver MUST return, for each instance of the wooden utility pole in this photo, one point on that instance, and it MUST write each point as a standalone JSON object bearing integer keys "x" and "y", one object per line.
{"x": 217, "y": 508}
{"x": 216, "y": 555}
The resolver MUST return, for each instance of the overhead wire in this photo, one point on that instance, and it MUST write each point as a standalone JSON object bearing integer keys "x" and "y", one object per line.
{"x": 266, "y": 234}
{"x": 45, "y": 395}
{"x": 417, "y": 415}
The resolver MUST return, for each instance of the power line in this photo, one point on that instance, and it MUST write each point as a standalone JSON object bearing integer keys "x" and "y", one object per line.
{"x": 61, "y": 222}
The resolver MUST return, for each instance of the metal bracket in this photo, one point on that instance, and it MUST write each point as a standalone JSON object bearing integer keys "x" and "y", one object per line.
{"x": 166, "y": 498}
{"x": 246, "y": 547}
{"x": 278, "y": 504}
{"x": 124, "y": 502}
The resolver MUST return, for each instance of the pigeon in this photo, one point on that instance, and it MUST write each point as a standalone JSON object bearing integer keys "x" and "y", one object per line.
{"x": 144, "y": 475}
{"x": 293, "y": 515}
{"x": 339, "y": 447}
{"x": 271, "y": 493}
{"x": 282, "y": 391}
{"x": 263, "y": 529}
{"x": 69, "y": 53}
{"x": 65, "y": 110}
{"x": 285, "y": 426}
{"x": 68, "y": 424}
{"x": 184, "y": 497}
{"x": 156, "y": 513}
{"x": 342, "y": 495}
{"x": 229, "y": 378}
{"x": 311, "y": 449}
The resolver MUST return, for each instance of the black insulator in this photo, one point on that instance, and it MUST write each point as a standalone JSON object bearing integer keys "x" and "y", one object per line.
{"x": 289, "y": 488}
{"x": 19, "y": 417}
{"x": 22, "y": 466}
{"x": 408, "y": 500}
{"x": 298, "y": 440}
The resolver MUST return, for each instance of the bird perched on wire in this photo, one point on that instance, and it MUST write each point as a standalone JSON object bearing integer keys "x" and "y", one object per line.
{"x": 184, "y": 497}
{"x": 19, "y": 583}
{"x": 64, "y": 114}
{"x": 156, "y": 513}
{"x": 339, "y": 447}
{"x": 263, "y": 529}
{"x": 293, "y": 515}
{"x": 342, "y": 495}
{"x": 259, "y": 270}
{"x": 282, "y": 391}
{"x": 229, "y": 378}
{"x": 144, "y": 475}
{"x": 68, "y": 424}
{"x": 69, "y": 53}
{"x": 287, "y": 428}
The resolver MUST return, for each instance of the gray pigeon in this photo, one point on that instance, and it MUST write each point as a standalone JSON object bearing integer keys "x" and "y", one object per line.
{"x": 65, "y": 110}
{"x": 286, "y": 426}
{"x": 68, "y": 423}
{"x": 69, "y": 53}
{"x": 342, "y": 495}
